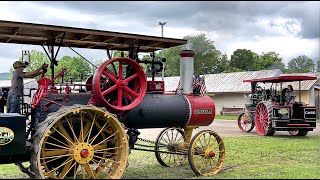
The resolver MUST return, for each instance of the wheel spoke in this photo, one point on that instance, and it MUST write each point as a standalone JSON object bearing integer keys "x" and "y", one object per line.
{"x": 66, "y": 169}
{"x": 63, "y": 133}
{"x": 127, "y": 95}
{"x": 81, "y": 136}
{"x": 71, "y": 128}
{"x": 109, "y": 90}
{"x": 55, "y": 169}
{"x": 120, "y": 70}
{"x": 131, "y": 77}
{"x": 110, "y": 75}
{"x": 106, "y": 139}
{"x": 54, "y": 152}
{"x": 119, "y": 97}
{"x": 131, "y": 92}
{"x": 89, "y": 171}
{"x": 89, "y": 133}
{"x": 102, "y": 168}
{"x": 94, "y": 138}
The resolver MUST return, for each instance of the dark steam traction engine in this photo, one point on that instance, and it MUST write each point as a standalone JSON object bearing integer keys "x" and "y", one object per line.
{"x": 90, "y": 134}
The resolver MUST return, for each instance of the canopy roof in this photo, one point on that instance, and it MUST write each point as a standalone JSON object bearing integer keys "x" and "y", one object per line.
{"x": 40, "y": 34}
{"x": 284, "y": 78}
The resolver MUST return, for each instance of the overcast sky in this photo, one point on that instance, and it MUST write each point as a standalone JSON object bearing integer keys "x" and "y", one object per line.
{"x": 288, "y": 28}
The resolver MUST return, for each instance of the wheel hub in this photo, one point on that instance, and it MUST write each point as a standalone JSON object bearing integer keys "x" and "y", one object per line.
{"x": 209, "y": 153}
{"x": 245, "y": 121}
{"x": 83, "y": 153}
{"x": 121, "y": 83}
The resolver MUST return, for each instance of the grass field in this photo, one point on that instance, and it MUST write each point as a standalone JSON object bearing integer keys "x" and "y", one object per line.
{"x": 251, "y": 157}
{"x": 222, "y": 117}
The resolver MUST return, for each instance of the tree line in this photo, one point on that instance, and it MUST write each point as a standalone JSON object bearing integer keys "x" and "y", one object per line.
{"x": 207, "y": 60}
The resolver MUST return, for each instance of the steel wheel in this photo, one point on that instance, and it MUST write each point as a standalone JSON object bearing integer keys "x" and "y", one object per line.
{"x": 206, "y": 153}
{"x": 245, "y": 123}
{"x": 80, "y": 141}
{"x": 132, "y": 88}
{"x": 263, "y": 119}
{"x": 170, "y": 140}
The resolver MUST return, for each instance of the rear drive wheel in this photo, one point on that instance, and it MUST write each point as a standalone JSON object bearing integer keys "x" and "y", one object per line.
{"x": 80, "y": 141}
{"x": 263, "y": 114}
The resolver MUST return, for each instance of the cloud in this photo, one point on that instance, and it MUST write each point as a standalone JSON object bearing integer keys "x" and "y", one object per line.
{"x": 287, "y": 27}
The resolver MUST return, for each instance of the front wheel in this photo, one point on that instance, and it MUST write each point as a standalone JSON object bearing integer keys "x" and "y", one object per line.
{"x": 245, "y": 123}
{"x": 170, "y": 141}
{"x": 206, "y": 153}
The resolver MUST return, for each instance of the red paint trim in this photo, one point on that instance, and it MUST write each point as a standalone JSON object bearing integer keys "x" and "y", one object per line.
{"x": 203, "y": 110}
{"x": 186, "y": 53}
{"x": 298, "y": 124}
{"x": 309, "y": 106}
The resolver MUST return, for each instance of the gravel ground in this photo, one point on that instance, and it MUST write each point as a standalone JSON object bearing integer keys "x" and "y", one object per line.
{"x": 224, "y": 128}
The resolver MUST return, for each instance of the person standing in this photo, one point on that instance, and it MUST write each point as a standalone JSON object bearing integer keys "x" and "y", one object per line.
{"x": 16, "y": 90}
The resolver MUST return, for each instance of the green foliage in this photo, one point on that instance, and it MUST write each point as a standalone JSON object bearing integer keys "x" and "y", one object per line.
{"x": 301, "y": 64}
{"x": 244, "y": 59}
{"x": 318, "y": 65}
{"x": 75, "y": 67}
{"x": 172, "y": 65}
{"x": 268, "y": 61}
{"x": 207, "y": 58}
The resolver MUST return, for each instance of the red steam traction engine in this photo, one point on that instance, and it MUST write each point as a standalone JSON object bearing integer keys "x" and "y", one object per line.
{"x": 90, "y": 134}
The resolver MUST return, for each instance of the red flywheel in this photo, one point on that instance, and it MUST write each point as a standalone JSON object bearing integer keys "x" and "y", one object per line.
{"x": 120, "y": 83}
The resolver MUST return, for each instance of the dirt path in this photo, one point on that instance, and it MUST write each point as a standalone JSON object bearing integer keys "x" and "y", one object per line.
{"x": 224, "y": 128}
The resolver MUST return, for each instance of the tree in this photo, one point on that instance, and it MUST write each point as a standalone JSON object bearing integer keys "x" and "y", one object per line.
{"x": 244, "y": 59}
{"x": 76, "y": 66}
{"x": 269, "y": 60}
{"x": 301, "y": 64}
{"x": 318, "y": 65}
{"x": 207, "y": 58}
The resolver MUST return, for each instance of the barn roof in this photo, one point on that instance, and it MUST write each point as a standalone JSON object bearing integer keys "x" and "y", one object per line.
{"x": 233, "y": 82}
{"x": 40, "y": 34}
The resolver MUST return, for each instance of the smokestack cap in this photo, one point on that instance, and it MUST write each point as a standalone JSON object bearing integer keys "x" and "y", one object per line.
{"x": 186, "y": 53}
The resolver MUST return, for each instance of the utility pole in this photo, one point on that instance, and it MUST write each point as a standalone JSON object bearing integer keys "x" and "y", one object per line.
{"x": 162, "y": 24}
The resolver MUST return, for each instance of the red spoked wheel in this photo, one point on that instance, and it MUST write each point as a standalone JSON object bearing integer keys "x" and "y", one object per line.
{"x": 245, "y": 123}
{"x": 127, "y": 83}
{"x": 263, "y": 119}
{"x": 43, "y": 84}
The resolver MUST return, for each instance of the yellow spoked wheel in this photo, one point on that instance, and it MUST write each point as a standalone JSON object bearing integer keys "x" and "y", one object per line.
{"x": 206, "y": 153}
{"x": 80, "y": 141}
{"x": 170, "y": 147}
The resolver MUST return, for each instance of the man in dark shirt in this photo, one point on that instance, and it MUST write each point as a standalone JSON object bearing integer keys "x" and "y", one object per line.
{"x": 16, "y": 90}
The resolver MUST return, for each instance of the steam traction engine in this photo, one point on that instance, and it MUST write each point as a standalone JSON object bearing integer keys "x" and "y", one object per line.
{"x": 268, "y": 108}
{"x": 90, "y": 134}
